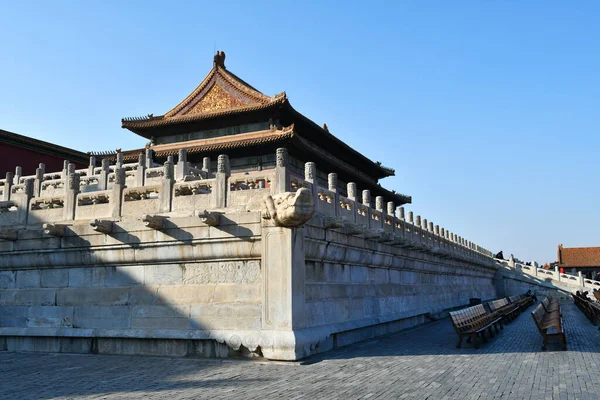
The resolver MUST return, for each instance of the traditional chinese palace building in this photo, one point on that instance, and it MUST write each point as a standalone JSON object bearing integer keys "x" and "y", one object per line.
{"x": 224, "y": 114}
{"x": 584, "y": 259}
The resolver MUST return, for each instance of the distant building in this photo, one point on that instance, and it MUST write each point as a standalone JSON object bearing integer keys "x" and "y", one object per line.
{"x": 27, "y": 152}
{"x": 584, "y": 259}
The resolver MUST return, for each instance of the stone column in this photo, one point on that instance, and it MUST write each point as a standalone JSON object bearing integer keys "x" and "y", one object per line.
{"x": 140, "y": 172}
{"x": 8, "y": 186}
{"x": 366, "y": 198}
{"x": 166, "y": 189}
{"x": 283, "y": 297}
{"x": 71, "y": 192}
{"x": 410, "y": 217}
{"x": 401, "y": 213}
{"x": 116, "y": 197}
{"x": 103, "y": 180}
{"x": 39, "y": 178}
{"x": 221, "y": 177}
{"x": 281, "y": 183}
{"x": 182, "y": 167}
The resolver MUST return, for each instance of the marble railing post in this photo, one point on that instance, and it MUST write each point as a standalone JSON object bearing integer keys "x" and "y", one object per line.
{"x": 166, "y": 190}
{"x": 366, "y": 201}
{"x": 65, "y": 172}
{"x": 410, "y": 217}
{"x": 391, "y": 209}
{"x": 379, "y": 204}
{"x": 351, "y": 188}
{"x": 23, "y": 201}
{"x": 401, "y": 213}
{"x": 220, "y": 189}
{"x": 8, "y": 186}
{"x": 332, "y": 182}
{"x": 181, "y": 169}
{"x": 103, "y": 180}
{"x": 116, "y": 197}
{"x": 39, "y": 178}
{"x": 140, "y": 172}
{"x": 92, "y": 166}
{"x": 557, "y": 274}
{"x": 281, "y": 183}
{"x": 71, "y": 192}
{"x": 119, "y": 163}
{"x": 18, "y": 175}
{"x": 206, "y": 167}
{"x": 149, "y": 158}
{"x": 579, "y": 279}
{"x": 310, "y": 176}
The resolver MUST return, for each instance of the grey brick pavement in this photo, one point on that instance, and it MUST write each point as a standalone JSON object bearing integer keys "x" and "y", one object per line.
{"x": 418, "y": 364}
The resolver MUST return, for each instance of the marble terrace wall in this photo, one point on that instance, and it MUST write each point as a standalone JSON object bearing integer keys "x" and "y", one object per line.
{"x": 184, "y": 260}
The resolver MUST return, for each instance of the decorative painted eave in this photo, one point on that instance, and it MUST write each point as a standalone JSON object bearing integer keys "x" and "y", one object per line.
{"x": 221, "y": 93}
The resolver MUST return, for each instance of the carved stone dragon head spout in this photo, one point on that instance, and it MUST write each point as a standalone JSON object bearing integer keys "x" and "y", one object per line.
{"x": 289, "y": 209}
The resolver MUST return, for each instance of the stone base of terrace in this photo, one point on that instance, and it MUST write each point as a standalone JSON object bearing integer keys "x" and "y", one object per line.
{"x": 218, "y": 265}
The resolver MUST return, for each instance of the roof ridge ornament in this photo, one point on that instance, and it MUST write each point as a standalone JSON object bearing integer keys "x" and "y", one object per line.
{"x": 219, "y": 59}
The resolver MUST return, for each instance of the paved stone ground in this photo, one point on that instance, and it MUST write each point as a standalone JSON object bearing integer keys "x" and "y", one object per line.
{"x": 418, "y": 364}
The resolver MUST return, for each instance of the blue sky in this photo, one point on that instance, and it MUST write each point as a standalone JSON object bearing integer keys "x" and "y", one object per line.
{"x": 488, "y": 110}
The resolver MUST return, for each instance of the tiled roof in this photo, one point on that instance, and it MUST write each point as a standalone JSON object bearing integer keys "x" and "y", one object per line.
{"x": 579, "y": 256}
{"x": 41, "y": 146}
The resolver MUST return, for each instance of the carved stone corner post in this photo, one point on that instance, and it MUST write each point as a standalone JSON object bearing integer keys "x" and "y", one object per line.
{"x": 281, "y": 183}
{"x": 116, "y": 199}
{"x": 283, "y": 296}
{"x": 54, "y": 230}
{"x": 71, "y": 192}
{"x": 153, "y": 221}
{"x": 166, "y": 190}
{"x": 209, "y": 218}
{"x": 103, "y": 226}
{"x": 221, "y": 176}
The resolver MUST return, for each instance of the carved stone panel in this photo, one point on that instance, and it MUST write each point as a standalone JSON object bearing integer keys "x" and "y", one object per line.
{"x": 222, "y": 272}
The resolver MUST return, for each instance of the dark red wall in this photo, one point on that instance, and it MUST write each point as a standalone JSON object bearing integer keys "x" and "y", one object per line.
{"x": 11, "y": 156}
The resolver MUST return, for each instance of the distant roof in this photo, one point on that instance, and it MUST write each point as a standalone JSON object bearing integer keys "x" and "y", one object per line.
{"x": 43, "y": 147}
{"x": 578, "y": 256}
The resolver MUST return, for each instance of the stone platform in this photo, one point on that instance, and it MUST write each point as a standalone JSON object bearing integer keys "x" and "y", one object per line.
{"x": 419, "y": 364}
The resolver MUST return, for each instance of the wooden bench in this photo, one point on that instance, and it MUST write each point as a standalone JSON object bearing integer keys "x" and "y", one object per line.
{"x": 473, "y": 321}
{"x": 522, "y": 301}
{"x": 551, "y": 305}
{"x": 588, "y": 307}
{"x": 549, "y": 325}
{"x": 507, "y": 310}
